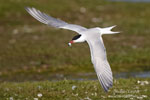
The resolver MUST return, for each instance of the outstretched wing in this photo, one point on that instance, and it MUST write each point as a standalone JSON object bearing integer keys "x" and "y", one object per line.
{"x": 99, "y": 60}
{"x": 44, "y": 18}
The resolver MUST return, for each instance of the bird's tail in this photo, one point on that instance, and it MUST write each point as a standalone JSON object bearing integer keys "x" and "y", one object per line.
{"x": 107, "y": 30}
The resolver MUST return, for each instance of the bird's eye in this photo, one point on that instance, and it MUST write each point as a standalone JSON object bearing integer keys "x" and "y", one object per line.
{"x": 76, "y": 37}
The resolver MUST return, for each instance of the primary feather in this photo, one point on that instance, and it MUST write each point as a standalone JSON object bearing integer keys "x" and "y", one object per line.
{"x": 46, "y": 19}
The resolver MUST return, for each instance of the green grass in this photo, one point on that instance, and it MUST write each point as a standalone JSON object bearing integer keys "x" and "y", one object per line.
{"x": 28, "y": 47}
{"x": 123, "y": 89}
{"x": 31, "y": 53}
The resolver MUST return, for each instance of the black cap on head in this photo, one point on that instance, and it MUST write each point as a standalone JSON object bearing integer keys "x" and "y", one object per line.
{"x": 76, "y": 37}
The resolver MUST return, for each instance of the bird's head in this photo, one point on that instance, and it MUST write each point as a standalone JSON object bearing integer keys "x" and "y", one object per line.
{"x": 75, "y": 39}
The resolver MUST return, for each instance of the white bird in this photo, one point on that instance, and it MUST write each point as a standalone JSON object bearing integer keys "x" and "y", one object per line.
{"x": 92, "y": 36}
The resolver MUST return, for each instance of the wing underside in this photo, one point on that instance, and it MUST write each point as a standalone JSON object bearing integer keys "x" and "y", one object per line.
{"x": 104, "y": 73}
{"x": 51, "y": 21}
{"x": 99, "y": 60}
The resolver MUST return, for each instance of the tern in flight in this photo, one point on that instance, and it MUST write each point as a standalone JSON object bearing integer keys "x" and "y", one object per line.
{"x": 92, "y": 36}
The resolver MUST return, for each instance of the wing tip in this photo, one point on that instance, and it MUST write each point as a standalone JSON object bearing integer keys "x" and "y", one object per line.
{"x": 106, "y": 88}
{"x": 106, "y": 84}
{"x": 27, "y": 8}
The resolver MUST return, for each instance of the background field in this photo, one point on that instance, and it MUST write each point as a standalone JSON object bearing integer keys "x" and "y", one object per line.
{"x": 76, "y": 90}
{"x": 31, "y": 51}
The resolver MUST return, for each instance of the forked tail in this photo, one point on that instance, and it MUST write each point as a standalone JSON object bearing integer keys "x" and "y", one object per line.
{"x": 107, "y": 30}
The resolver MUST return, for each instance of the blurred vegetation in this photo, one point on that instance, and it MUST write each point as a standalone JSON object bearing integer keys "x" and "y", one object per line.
{"x": 27, "y": 47}
{"x": 76, "y": 90}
